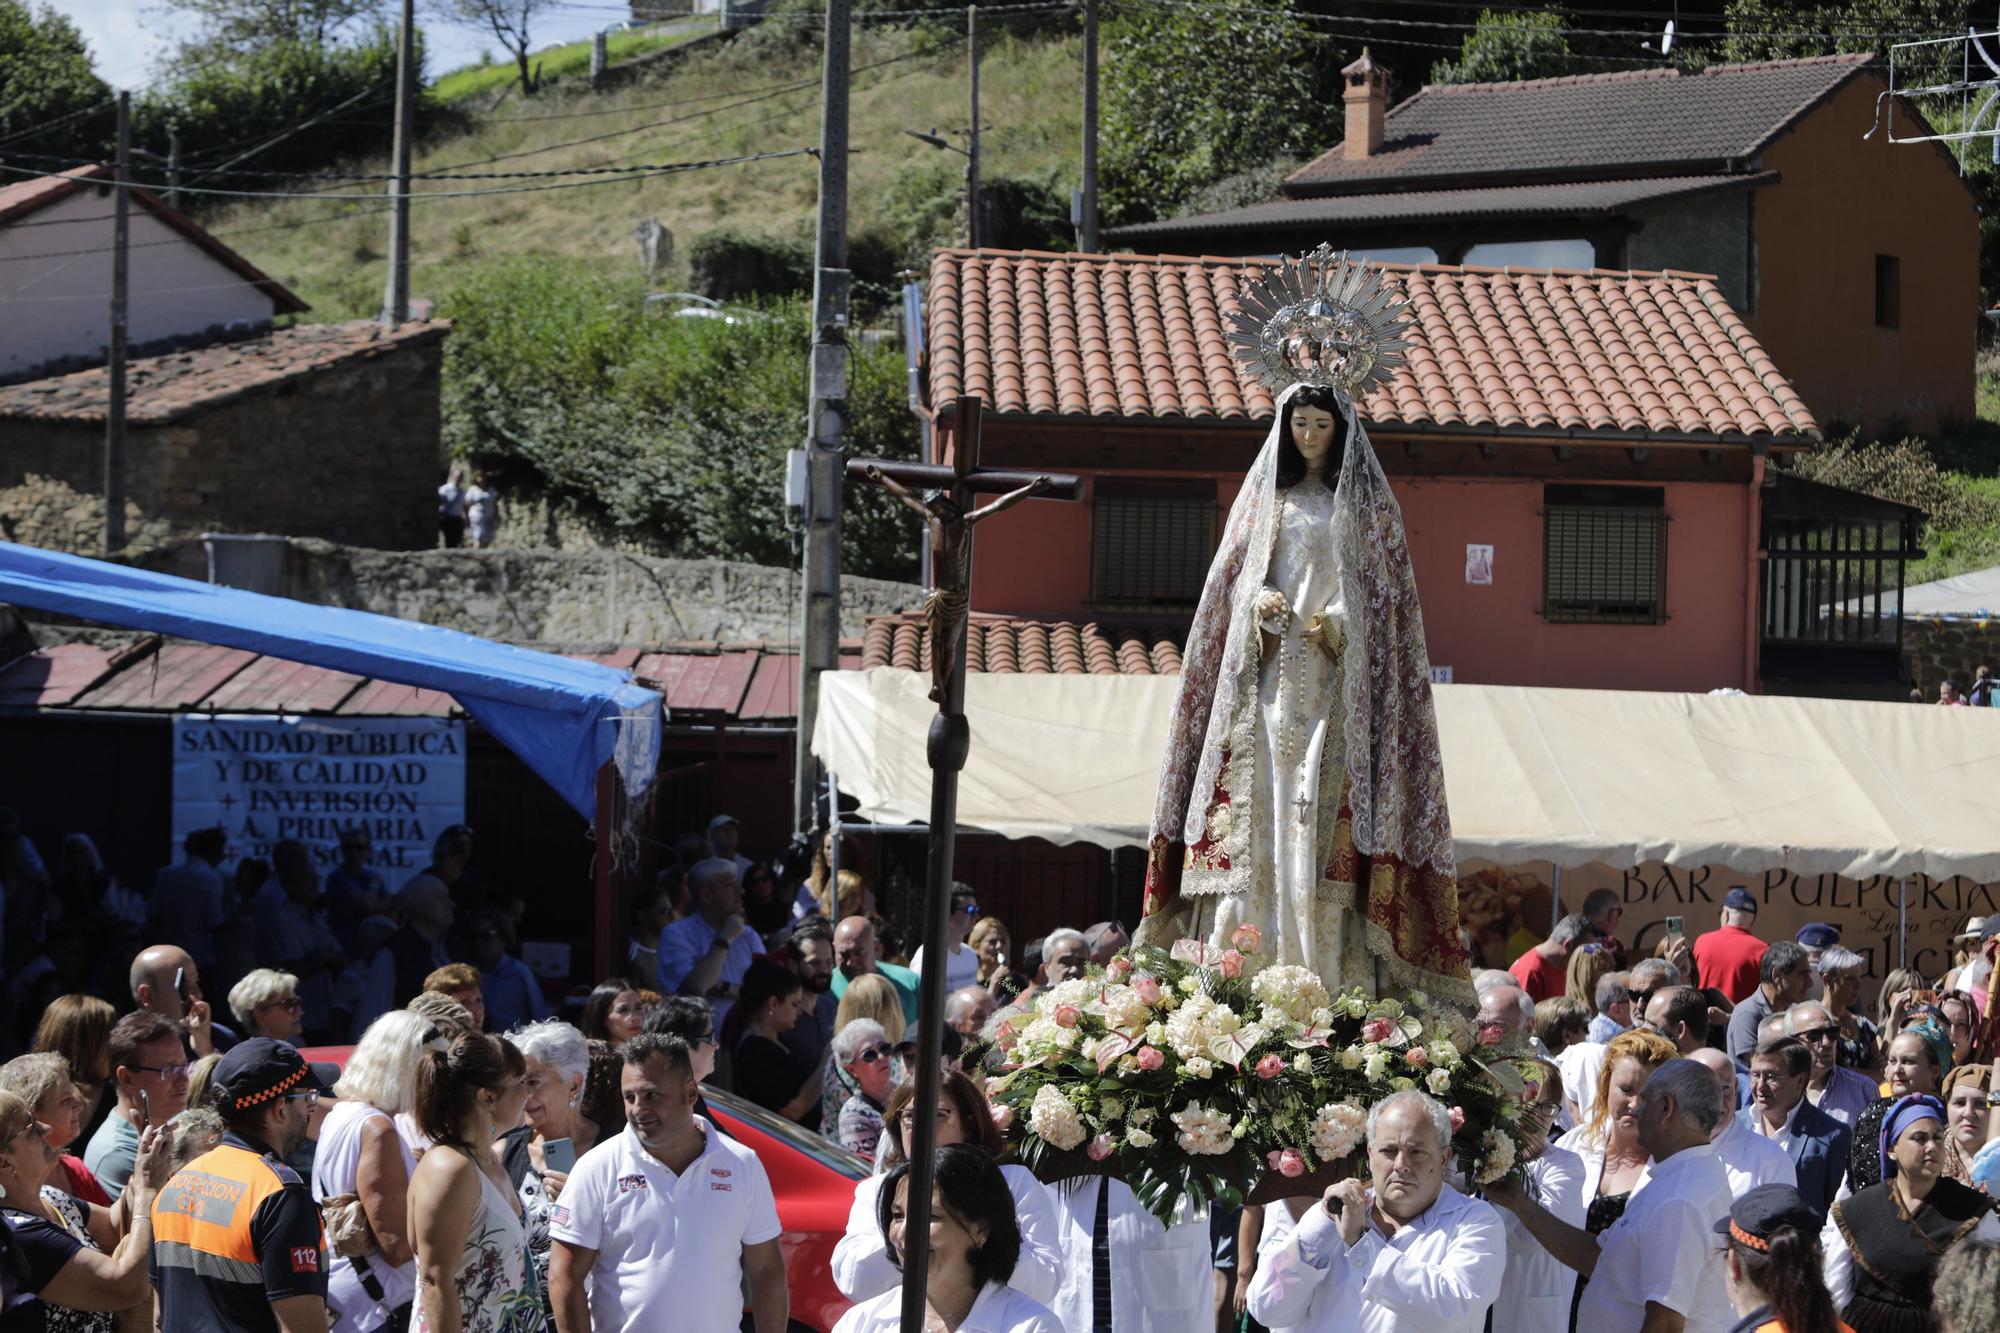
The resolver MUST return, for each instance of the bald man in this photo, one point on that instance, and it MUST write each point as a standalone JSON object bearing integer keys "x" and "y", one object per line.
{"x": 857, "y": 953}
{"x": 1748, "y": 1157}
{"x": 165, "y": 980}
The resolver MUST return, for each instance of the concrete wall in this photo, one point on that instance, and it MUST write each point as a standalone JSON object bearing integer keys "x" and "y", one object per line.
{"x": 60, "y": 307}
{"x": 1705, "y": 234}
{"x": 1844, "y": 201}
{"x": 1036, "y": 560}
{"x": 575, "y": 598}
{"x": 348, "y": 454}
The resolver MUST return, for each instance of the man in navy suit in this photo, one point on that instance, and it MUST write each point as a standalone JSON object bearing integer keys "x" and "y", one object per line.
{"x": 1778, "y": 1109}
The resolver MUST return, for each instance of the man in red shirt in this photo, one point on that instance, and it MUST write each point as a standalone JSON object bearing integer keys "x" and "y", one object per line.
{"x": 1727, "y": 958}
{"x": 1543, "y": 970}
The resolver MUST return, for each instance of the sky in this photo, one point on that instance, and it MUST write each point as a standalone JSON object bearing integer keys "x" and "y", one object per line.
{"x": 126, "y": 36}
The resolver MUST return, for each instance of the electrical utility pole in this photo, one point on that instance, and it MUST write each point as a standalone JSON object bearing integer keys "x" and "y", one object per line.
{"x": 819, "y": 643}
{"x": 396, "y": 297}
{"x": 114, "y": 410}
{"x": 972, "y": 135}
{"x": 1086, "y": 228}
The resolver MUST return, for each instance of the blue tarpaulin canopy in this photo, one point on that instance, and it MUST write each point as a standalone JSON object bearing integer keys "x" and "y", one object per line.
{"x": 566, "y": 718}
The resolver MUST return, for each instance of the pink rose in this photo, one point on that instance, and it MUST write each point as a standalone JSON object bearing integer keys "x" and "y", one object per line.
{"x": 1005, "y": 1036}
{"x": 1490, "y": 1034}
{"x": 1003, "y": 1116}
{"x": 1151, "y": 1058}
{"x": 1457, "y": 1118}
{"x": 1416, "y": 1057}
{"x": 1101, "y": 1147}
{"x": 1291, "y": 1162}
{"x": 1118, "y": 968}
{"x": 1147, "y": 989}
{"x": 1068, "y": 1015}
{"x": 1377, "y": 1029}
{"x": 1247, "y": 939}
{"x": 1231, "y": 963}
{"x": 1272, "y": 1158}
{"x": 1271, "y": 1066}
{"x": 1531, "y": 1091}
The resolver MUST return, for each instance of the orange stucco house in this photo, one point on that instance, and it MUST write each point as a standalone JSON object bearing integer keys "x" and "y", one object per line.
{"x": 1582, "y": 459}
{"x": 1852, "y": 260}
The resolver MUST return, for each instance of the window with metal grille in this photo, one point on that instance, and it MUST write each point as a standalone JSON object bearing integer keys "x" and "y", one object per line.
{"x": 1149, "y": 546}
{"x": 1604, "y": 555}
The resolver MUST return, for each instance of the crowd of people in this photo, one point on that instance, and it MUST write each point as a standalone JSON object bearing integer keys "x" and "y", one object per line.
{"x": 1720, "y": 1138}
{"x": 1980, "y": 694}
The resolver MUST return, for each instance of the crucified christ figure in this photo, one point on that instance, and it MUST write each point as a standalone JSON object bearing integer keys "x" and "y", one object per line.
{"x": 946, "y": 604}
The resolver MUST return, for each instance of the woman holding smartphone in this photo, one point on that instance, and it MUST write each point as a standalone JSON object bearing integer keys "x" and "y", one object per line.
{"x": 538, "y": 1155}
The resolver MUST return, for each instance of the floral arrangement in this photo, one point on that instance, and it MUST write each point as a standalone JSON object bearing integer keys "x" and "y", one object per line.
{"x": 1195, "y": 1072}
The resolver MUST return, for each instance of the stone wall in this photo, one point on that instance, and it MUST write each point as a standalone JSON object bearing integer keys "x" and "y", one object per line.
{"x": 575, "y": 599}
{"x": 350, "y": 454}
{"x": 1941, "y": 650}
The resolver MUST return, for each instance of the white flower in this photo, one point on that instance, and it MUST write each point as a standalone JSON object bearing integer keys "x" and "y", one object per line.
{"x": 1438, "y": 1081}
{"x": 1055, "y": 1120}
{"x": 1402, "y": 1084}
{"x": 1139, "y": 1138}
{"x": 1322, "y": 1017}
{"x": 1499, "y": 1158}
{"x": 1350, "y": 1057}
{"x": 1156, "y": 1034}
{"x": 1198, "y": 1067}
{"x": 1375, "y": 1066}
{"x": 1190, "y": 984}
{"x": 1202, "y": 1132}
{"x": 1111, "y": 1108}
{"x": 1444, "y": 1055}
{"x": 1122, "y": 1009}
{"x": 1337, "y": 1130}
{"x": 1303, "y": 1062}
{"x": 1290, "y": 990}
{"x": 1078, "y": 993}
{"x": 1142, "y": 1115}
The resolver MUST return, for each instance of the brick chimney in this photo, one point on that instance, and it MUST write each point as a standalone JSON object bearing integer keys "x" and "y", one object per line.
{"x": 1367, "y": 99}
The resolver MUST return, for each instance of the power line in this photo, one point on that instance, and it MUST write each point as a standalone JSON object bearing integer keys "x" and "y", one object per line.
{"x": 32, "y": 130}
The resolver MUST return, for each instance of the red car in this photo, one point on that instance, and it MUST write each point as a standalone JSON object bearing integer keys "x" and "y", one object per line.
{"x": 812, "y": 1179}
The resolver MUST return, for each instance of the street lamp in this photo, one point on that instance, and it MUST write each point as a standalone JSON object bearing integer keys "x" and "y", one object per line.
{"x": 971, "y": 156}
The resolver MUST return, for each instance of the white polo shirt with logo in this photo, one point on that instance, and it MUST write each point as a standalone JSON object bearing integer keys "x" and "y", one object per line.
{"x": 669, "y": 1246}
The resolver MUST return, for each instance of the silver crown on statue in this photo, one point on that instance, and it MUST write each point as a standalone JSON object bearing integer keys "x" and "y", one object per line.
{"x": 1322, "y": 319}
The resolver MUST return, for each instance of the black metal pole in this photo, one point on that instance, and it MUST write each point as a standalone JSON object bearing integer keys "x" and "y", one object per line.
{"x": 946, "y": 748}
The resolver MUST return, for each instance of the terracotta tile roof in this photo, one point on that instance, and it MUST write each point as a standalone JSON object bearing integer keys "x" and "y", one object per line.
{"x": 162, "y": 389}
{"x": 1141, "y": 337}
{"x": 1032, "y": 647}
{"x": 20, "y": 198}
{"x": 1567, "y": 198}
{"x": 1622, "y": 124}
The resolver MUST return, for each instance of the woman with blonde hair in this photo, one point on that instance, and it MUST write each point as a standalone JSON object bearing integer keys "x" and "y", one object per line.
{"x": 867, "y": 996}
{"x": 266, "y": 1003}
{"x": 42, "y": 1080}
{"x": 1586, "y": 964}
{"x": 364, "y": 1164}
{"x": 78, "y": 1028}
{"x": 992, "y": 945}
{"x": 1615, "y": 1164}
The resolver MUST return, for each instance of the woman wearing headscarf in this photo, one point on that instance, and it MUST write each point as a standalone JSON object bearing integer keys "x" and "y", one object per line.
{"x": 1918, "y": 1058}
{"x": 1883, "y": 1244}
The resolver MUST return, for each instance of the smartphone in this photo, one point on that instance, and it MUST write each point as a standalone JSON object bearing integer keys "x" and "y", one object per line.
{"x": 1677, "y": 925}
{"x": 559, "y": 1155}
{"x": 180, "y": 985}
{"x": 145, "y": 1110}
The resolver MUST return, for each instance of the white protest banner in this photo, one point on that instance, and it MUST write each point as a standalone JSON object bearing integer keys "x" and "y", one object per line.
{"x": 265, "y": 779}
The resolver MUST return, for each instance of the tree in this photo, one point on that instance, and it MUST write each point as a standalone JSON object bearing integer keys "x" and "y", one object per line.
{"x": 1506, "y": 47}
{"x": 509, "y": 22}
{"x": 46, "y": 75}
{"x": 240, "y": 25}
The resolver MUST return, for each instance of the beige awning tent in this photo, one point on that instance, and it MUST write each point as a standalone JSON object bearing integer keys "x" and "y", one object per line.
{"x": 1818, "y": 786}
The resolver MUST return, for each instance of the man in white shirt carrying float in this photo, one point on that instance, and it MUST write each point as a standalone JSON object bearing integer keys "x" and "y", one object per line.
{"x": 1411, "y": 1253}
{"x": 1657, "y": 1269}
{"x": 658, "y": 1226}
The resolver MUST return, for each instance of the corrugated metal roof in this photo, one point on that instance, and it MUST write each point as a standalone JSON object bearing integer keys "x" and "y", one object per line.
{"x": 380, "y": 698}
{"x": 701, "y": 682}
{"x": 274, "y": 685}
{"x": 52, "y": 677}
{"x": 175, "y": 679}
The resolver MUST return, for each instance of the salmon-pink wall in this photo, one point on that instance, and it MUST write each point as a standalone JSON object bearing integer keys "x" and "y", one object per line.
{"x": 1035, "y": 561}
{"x": 1843, "y": 201}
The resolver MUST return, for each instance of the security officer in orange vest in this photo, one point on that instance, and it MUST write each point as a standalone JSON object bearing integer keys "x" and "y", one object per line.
{"x": 237, "y": 1242}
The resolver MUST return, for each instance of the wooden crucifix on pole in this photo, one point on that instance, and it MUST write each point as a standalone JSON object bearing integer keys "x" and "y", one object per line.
{"x": 944, "y": 496}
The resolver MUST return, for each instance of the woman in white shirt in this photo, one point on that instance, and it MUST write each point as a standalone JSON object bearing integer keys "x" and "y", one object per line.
{"x": 862, "y": 1265}
{"x": 975, "y": 1242}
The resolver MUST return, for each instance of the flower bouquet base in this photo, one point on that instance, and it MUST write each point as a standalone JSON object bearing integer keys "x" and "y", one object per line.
{"x": 1200, "y": 1075}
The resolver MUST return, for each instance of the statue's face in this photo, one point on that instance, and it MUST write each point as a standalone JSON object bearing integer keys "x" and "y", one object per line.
{"x": 1314, "y": 430}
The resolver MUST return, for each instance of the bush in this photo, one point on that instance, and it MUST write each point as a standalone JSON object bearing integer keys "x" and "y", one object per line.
{"x": 1904, "y": 472}
{"x": 674, "y": 430}
{"x": 729, "y": 265}
{"x": 1256, "y": 185}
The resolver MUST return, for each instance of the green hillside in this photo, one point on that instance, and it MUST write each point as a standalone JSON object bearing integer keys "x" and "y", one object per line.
{"x": 758, "y": 94}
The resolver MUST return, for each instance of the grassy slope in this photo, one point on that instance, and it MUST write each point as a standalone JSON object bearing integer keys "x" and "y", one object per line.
{"x": 565, "y": 60}
{"x": 1032, "y": 93}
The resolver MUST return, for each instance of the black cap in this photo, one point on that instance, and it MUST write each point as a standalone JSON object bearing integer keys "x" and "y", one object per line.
{"x": 256, "y": 1071}
{"x": 1761, "y": 1211}
{"x": 1740, "y": 899}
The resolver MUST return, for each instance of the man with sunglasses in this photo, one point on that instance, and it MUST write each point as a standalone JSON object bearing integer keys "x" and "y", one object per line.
{"x": 961, "y": 966}
{"x": 238, "y": 1245}
{"x": 1841, "y": 1092}
{"x": 149, "y": 1068}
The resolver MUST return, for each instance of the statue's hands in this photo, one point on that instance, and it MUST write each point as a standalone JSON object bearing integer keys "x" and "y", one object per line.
{"x": 1272, "y": 610}
{"x": 1323, "y": 633}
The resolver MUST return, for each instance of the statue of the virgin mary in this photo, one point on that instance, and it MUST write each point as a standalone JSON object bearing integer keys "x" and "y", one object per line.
{"x": 1302, "y": 790}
